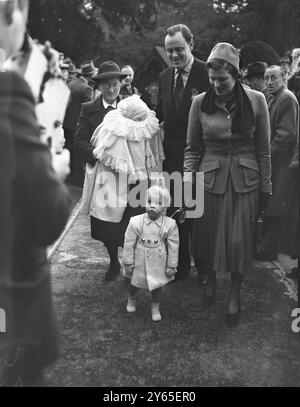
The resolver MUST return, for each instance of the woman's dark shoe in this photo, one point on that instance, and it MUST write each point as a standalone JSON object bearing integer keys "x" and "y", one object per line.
{"x": 232, "y": 320}
{"x": 208, "y": 300}
{"x": 113, "y": 272}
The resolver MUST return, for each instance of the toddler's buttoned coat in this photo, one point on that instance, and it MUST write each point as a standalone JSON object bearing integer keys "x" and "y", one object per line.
{"x": 151, "y": 247}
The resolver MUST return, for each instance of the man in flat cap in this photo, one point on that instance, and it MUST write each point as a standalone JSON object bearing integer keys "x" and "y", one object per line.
{"x": 256, "y": 77}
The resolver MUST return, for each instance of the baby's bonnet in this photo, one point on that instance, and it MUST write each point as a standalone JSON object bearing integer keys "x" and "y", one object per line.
{"x": 128, "y": 140}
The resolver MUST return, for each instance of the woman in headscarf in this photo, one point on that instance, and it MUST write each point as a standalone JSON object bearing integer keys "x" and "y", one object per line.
{"x": 229, "y": 140}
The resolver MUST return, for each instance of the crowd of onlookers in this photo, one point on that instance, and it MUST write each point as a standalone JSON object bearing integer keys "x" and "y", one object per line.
{"x": 282, "y": 233}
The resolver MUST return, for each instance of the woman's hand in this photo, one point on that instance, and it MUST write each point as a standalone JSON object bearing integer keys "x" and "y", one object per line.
{"x": 128, "y": 269}
{"x": 61, "y": 164}
{"x": 171, "y": 271}
{"x": 264, "y": 201}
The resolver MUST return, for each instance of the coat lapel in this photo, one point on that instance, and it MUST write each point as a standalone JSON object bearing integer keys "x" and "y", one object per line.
{"x": 169, "y": 90}
{"x": 97, "y": 111}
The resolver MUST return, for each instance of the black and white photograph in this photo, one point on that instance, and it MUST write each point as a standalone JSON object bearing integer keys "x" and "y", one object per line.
{"x": 149, "y": 196}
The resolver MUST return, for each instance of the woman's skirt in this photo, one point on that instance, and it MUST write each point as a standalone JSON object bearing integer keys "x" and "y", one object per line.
{"x": 225, "y": 235}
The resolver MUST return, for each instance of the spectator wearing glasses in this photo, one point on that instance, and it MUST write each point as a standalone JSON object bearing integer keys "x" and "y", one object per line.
{"x": 108, "y": 81}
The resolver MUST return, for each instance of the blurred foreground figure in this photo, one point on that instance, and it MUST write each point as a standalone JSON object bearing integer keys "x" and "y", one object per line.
{"x": 34, "y": 207}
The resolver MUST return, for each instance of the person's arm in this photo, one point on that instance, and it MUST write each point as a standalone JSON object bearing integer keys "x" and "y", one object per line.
{"x": 130, "y": 240}
{"x": 173, "y": 246}
{"x": 294, "y": 164}
{"x": 41, "y": 197}
{"x": 82, "y": 138}
{"x": 159, "y": 107}
{"x": 286, "y": 128}
{"x": 194, "y": 149}
{"x": 262, "y": 143}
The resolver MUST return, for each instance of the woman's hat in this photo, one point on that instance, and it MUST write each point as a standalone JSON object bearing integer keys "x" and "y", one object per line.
{"x": 256, "y": 68}
{"x": 227, "y": 52}
{"x": 109, "y": 70}
{"x": 87, "y": 68}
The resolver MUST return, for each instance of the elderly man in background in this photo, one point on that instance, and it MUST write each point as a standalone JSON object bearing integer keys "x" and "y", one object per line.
{"x": 81, "y": 92}
{"x": 284, "y": 119}
{"x": 178, "y": 84}
{"x": 34, "y": 207}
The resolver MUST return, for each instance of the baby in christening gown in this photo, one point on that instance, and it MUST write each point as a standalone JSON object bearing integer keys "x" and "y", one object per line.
{"x": 127, "y": 145}
{"x": 128, "y": 140}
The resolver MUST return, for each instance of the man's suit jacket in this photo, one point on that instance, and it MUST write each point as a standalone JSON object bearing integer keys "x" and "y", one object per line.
{"x": 81, "y": 92}
{"x": 175, "y": 124}
{"x": 92, "y": 114}
{"x": 34, "y": 207}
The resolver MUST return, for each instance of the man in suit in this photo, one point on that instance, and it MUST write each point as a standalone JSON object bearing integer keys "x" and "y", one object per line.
{"x": 284, "y": 119}
{"x": 177, "y": 86}
{"x": 34, "y": 208}
{"x": 81, "y": 92}
{"x": 108, "y": 80}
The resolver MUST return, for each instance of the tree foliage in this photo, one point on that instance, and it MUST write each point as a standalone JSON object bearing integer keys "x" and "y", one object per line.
{"x": 127, "y": 30}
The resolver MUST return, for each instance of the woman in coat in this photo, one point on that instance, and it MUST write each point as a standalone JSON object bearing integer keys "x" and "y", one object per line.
{"x": 109, "y": 138}
{"x": 229, "y": 140}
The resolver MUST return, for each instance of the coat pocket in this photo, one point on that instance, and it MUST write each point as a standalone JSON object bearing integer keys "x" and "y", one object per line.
{"x": 250, "y": 171}
{"x": 209, "y": 168}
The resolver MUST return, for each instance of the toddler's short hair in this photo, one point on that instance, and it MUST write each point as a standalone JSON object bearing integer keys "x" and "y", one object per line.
{"x": 160, "y": 192}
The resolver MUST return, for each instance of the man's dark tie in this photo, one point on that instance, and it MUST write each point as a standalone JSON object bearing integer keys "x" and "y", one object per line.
{"x": 270, "y": 100}
{"x": 179, "y": 89}
{"x": 109, "y": 108}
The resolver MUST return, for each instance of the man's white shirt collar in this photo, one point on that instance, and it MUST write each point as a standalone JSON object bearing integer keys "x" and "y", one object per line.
{"x": 105, "y": 105}
{"x": 188, "y": 67}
